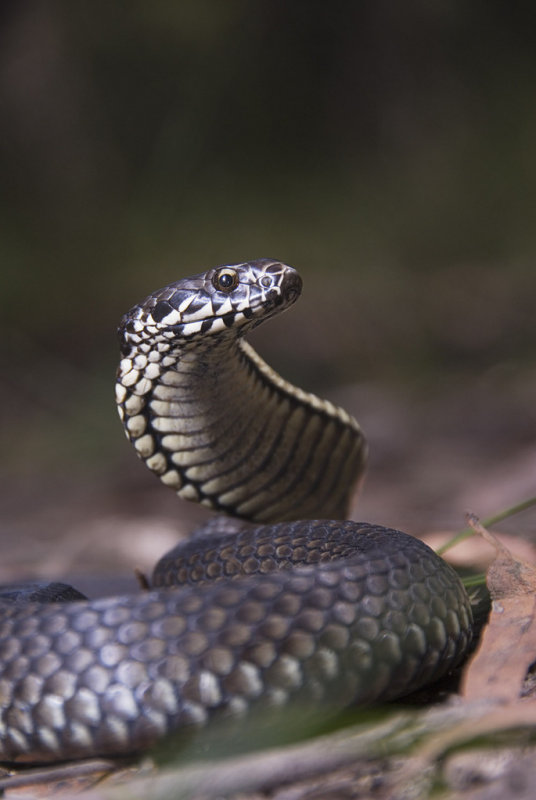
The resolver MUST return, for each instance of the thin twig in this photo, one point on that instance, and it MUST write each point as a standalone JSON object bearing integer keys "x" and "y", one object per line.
{"x": 31, "y": 777}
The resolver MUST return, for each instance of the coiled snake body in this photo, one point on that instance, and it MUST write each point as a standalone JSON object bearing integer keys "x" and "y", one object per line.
{"x": 294, "y": 608}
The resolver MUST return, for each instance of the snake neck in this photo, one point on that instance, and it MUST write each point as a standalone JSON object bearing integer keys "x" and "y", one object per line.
{"x": 222, "y": 428}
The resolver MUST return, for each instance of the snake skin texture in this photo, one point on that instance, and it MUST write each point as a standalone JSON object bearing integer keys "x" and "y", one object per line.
{"x": 299, "y": 612}
{"x": 213, "y": 420}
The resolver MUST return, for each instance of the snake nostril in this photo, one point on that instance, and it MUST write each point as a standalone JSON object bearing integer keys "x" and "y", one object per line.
{"x": 292, "y": 286}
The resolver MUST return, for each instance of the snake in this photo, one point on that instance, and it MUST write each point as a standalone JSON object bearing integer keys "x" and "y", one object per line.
{"x": 282, "y": 602}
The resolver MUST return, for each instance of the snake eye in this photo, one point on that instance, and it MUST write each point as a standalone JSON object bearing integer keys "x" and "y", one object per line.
{"x": 225, "y": 280}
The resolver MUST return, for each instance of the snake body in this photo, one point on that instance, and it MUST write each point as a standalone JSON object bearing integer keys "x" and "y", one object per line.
{"x": 298, "y": 610}
{"x": 213, "y": 420}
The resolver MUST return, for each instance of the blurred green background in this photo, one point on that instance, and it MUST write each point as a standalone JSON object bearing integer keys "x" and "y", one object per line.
{"x": 386, "y": 150}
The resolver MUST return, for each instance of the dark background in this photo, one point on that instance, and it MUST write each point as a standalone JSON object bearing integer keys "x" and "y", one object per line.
{"x": 386, "y": 150}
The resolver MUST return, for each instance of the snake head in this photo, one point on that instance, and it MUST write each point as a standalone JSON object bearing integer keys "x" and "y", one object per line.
{"x": 228, "y": 299}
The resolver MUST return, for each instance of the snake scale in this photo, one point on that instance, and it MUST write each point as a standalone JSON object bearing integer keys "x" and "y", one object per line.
{"x": 290, "y": 608}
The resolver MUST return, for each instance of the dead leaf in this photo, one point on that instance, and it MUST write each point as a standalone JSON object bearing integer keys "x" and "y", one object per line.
{"x": 508, "y": 644}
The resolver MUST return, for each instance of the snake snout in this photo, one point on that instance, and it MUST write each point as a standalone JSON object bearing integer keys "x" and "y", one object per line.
{"x": 291, "y": 286}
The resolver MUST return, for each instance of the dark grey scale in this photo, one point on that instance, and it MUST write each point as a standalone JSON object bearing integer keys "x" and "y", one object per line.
{"x": 41, "y": 592}
{"x": 197, "y": 304}
{"x": 161, "y": 310}
{"x": 218, "y": 302}
{"x": 324, "y": 652}
{"x": 316, "y": 612}
{"x": 284, "y": 544}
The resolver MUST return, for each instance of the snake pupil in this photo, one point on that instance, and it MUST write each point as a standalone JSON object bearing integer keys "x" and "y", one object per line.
{"x": 226, "y": 280}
